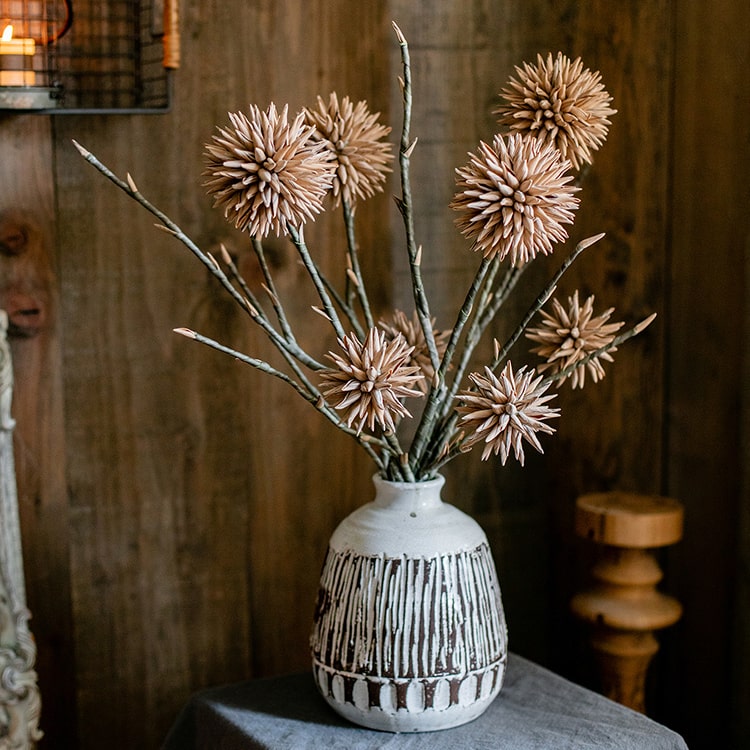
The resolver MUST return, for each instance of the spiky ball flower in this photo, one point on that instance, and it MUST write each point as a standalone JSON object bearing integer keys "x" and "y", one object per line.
{"x": 513, "y": 198}
{"x": 504, "y": 411}
{"x": 567, "y": 336}
{"x": 369, "y": 380}
{"x": 559, "y": 102}
{"x": 352, "y": 134}
{"x": 411, "y": 330}
{"x": 266, "y": 172}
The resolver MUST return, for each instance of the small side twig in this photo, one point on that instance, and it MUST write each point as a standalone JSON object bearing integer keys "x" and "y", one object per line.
{"x": 368, "y": 442}
{"x": 634, "y": 331}
{"x": 129, "y": 187}
{"x": 541, "y": 300}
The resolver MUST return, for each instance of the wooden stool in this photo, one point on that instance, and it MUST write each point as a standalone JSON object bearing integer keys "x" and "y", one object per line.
{"x": 623, "y": 606}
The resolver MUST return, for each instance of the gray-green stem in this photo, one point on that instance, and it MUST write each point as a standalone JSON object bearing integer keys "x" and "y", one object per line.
{"x": 401, "y": 466}
{"x": 268, "y": 278}
{"x": 438, "y": 390}
{"x": 315, "y": 276}
{"x": 310, "y": 394}
{"x": 345, "y": 308}
{"x": 540, "y": 301}
{"x": 351, "y": 239}
{"x": 255, "y": 312}
{"x": 484, "y": 315}
{"x": 405, "y": 207}
{"x": 634, "y": 331}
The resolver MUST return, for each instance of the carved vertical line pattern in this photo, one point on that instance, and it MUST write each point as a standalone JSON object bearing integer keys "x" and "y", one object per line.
{"x": 441, "y": 625}
{"x": 400, "y": 617}
{"x": 418, "y": 628}
{"x": 350, "y": 619}
{"x": 483, "y": 613}
{"x": 424, "y": 666}
{"x": 469, "y": 595}
{"x": 406, "y": 619}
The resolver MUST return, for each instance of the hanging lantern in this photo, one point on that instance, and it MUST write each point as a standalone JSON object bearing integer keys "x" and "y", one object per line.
{"x": 115, "y": 57}
{"x": 29, "y": 31}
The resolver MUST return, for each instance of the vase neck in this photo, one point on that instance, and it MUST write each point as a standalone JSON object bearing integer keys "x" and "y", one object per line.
{"x": 408, "y": 495}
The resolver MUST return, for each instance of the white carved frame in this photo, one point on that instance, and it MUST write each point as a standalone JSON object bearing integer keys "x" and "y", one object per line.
{"x": 20, "y": 701}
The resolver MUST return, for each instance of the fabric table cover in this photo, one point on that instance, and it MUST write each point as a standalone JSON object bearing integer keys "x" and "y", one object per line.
{"x": 536, "y": 710}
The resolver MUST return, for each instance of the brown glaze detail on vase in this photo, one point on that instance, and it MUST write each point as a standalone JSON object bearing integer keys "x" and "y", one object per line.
{"x": 407, "y": 618}
{"x": 428, "y": 688}
{"x": 423, "y": 628}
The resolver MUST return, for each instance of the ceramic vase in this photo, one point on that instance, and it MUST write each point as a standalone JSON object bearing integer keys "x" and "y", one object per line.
{"x": 409, "y": 631}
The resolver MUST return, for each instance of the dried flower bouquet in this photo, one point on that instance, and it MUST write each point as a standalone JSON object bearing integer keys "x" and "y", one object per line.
{"x": 271, "y": 173}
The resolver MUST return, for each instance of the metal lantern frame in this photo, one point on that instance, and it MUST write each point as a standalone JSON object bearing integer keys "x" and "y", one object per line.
{"x": 73, "y": 56}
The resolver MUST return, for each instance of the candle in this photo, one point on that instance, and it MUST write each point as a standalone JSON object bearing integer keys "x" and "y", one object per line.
{"x": 13, "y": 54}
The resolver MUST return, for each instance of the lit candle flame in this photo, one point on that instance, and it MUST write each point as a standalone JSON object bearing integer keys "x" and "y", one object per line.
{"x": 16, "y": 59}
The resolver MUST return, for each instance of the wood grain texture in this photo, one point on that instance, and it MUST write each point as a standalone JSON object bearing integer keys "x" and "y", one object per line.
{"x": 29, "y": 280}
{"x": 193, "y": 551}
{"x": 710, "y": 237}
{"x": 462, "y": 57}
{"x": 177, "y": 506}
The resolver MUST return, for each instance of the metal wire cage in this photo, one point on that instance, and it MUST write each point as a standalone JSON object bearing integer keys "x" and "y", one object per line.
{"x": 87, "y": 55}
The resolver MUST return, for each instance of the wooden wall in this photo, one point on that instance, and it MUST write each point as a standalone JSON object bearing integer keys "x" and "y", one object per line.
{"x": 175, "y": 506}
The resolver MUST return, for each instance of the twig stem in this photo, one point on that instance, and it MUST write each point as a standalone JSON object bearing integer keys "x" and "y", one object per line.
{"x": 406, "y": 209}
{"x": 315, "y": 275}
{"x": 351, "y": 239}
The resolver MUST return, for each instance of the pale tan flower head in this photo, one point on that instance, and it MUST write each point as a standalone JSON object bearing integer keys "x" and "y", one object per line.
{"x": 504, "y": 411}
{"x": 559, "y": 102}
{"x": 411, "y": 330}
{"x": 266, "y": 172}
{"x": 513, "y": 198}
{"x": 369, "y": 380}
{"x": 353, "y": 136}
{"x": 568, "y": 336}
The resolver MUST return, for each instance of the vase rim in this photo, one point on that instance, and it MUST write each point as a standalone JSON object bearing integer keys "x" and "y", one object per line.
{"x": 439, "y": 479}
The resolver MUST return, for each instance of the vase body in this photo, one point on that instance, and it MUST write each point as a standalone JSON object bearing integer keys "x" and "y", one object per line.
{"x": 409, "y": 632}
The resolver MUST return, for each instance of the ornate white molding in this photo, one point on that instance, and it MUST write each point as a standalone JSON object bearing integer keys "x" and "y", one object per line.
{"x": 20, "y": 702}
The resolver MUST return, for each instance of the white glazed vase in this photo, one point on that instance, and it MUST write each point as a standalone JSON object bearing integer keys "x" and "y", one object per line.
{"x": 409, "y": 632}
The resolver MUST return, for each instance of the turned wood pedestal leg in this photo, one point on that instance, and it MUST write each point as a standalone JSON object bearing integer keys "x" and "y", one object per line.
{"x": 623, "y": 607}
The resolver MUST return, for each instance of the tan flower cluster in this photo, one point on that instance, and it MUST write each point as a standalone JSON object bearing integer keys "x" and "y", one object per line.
{"x": 369, "y": 380}
{"x": 569, "y": 336}
{"x": 514, "y": 197}
{"x": 504, "y": 411}
{"x": 266, "y": 172}
{"x": 559, "y": 102}
{"x": 352, "y": 134}
{"x": 411, "y": 330}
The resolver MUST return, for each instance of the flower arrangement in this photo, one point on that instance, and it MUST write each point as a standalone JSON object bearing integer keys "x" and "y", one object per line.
{"x": 271, "y": 174}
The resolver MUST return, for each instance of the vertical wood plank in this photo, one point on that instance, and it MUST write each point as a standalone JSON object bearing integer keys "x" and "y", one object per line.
{"x": 740, "y": 682}
{"x": 203, "y": 493}
{"x": 611, "y": 434}
{"x": 710, "y": 230}
{"x": 462, "y": 56}
{"x": 27, "y": 284}
{"x": 197, "y": 496}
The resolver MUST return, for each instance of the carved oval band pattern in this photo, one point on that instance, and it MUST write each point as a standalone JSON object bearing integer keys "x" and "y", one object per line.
{"x": 409, "y": 633}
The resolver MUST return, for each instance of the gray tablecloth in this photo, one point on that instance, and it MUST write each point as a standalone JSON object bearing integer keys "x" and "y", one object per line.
{"x": 536, "y": 710}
